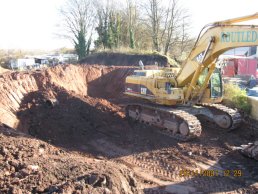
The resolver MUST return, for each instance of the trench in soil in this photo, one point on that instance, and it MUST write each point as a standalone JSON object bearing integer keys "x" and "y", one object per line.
{"x": 81, "y": 108}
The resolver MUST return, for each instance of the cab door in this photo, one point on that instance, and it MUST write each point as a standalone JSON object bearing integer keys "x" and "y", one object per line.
{"x": 216, "y": 84}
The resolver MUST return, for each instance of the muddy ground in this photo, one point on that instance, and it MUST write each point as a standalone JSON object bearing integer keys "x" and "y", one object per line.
{"x": 64, "y": 131}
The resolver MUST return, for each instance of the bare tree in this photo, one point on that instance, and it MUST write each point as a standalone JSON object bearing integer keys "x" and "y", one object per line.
{"x": 79, "y": 22}
{"x": 153, "y": 10}
{"x": 183, "y": 43}
{"x": 131, "y": 14}
{"x": 103, "y": 12}
{"x": 185, "y": 40}
{"x": 171, "y": 24}
{"x": 109, "y": 25}
{"x": 152, "y": 17}
{"x": 165, "y": 20}
{"x": 157, "y": 24}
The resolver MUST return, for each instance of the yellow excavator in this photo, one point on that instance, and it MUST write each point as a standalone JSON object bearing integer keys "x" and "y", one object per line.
{"x": 176, "y": 98}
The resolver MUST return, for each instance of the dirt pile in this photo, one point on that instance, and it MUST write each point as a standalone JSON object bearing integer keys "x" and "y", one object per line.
{"x": 30, "y": 165}
{"x": 65, "y": 119}
{"x": 122, "y": 59}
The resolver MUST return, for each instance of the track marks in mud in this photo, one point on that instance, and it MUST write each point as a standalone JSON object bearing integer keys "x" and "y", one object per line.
{"x": 162, "y": 168}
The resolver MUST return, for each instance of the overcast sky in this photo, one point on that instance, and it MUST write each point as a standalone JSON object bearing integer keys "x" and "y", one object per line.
{"x": 31, "y": 24}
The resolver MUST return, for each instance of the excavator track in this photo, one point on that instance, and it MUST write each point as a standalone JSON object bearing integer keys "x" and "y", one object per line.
{"x": 176, "y": 123}
{"x": 234, "y": 115}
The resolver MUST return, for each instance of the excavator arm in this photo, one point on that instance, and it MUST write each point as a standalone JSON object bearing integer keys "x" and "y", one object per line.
{"x": 218, "y": 38}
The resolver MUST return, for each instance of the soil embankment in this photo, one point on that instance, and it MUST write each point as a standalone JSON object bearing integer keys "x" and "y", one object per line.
{"x": 94, "y": 81}
{"x": 122, "y": 59}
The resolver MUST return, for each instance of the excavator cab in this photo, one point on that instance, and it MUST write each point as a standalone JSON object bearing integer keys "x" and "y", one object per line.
{"x": 214, "y": 89}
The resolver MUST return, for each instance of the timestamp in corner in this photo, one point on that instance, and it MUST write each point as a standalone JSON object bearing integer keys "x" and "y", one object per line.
{"x": 210, "y": 173}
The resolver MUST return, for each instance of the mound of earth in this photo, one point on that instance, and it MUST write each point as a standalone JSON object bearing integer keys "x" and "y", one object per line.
{"x": 29, "y": 165}
{"x": 122, "y": 59}
{"x": 66, "y": 119}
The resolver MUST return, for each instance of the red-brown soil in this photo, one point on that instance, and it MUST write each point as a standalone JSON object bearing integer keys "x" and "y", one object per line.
{"x": 71, "y": 136}
{"x": 94, "y": 81}
{"x": 31, "y": 165}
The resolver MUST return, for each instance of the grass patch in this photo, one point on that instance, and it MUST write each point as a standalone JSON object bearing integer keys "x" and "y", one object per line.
{"x": 236, "y": 97}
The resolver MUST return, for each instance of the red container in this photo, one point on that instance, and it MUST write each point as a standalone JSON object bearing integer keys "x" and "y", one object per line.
{"x": 229, "y": 69}
{"x": 246, "y": 66}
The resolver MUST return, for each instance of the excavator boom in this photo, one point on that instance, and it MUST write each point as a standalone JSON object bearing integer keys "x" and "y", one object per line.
{"x": 218, "y": 38}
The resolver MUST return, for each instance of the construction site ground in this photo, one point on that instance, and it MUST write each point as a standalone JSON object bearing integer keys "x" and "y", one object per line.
{"x": 63, "y": 130}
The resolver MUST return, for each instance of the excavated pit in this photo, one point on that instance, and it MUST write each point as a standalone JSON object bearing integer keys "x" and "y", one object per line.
{"x": 78, "y": 108}
{"x": 64, "y": 106}
{"x": 27, "y": 95}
